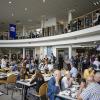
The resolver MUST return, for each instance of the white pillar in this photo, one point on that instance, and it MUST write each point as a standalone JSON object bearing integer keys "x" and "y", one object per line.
{"x": 43, "y": 20}
{"x": 9, "y": 55}
{"x": 33, "y": 52}
{"x": 70, "y": 51}
{"x": 69, "y": 16}
{"x": 54, "y": 51}
{"x": 23, "y": 30}
{"x": 23, "y": 53}
{"x": 42, "y": 24}
{"x": 45, "y": 51}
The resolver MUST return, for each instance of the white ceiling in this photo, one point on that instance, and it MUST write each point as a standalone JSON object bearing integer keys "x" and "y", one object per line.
{"x": 36, "y": 9}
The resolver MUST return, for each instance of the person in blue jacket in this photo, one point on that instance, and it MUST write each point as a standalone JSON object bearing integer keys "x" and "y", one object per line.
{"x": 54, "y": 85}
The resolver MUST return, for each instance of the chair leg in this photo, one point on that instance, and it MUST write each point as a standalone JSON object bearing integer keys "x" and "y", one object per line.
{"x": 12, "y": 94}
{"x": 20, "y": 91}
{"x": 7, "y": 88}
{"x": 40, "y": 98}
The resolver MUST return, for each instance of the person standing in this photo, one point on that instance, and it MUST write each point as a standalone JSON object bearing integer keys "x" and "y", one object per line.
{"x": 53, "y": 58}
{"x": 60, "y": 62}
{"x": 36, "y": 60}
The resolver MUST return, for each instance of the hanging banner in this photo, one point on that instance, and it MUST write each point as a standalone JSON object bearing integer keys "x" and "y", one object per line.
{"x": 12, "y": 31}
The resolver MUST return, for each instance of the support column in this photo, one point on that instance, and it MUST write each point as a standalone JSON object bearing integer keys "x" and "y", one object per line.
{"x": 9, "y": 55}
{"x": 33, "y": 52}
{"x": 70, "y": 51}
{"x": 23, "y": 31}
{"x": 70, "y": 17}
{"x": 45, "y": 51}
{"x": 23, "y": 53}
{"x": 54, "y": 51}
{"x": 43, "y": 20}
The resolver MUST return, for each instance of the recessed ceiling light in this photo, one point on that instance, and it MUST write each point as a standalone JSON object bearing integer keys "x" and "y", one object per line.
{"x": 97, "y": 3}
{"x": 10, "y": 2}
{"x": 29, "y": 20}
{"x": 43, "y": 1}
{"x": 18, "y": 23}
{"x": 25, "y": 9}
{"x": 12, "y": 14}
{"x": 94, "y": 42}
{"x": 61, "y": 22}
{"x": 94, "y": 3}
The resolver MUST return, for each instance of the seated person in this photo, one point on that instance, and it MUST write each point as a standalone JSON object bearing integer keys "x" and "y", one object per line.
{"x": 88, "y": 72}
{"x": 92, "y": 91}
{"x": 65, "y": 70}
{"x": 23, "y": 71}
{"x": 3, "y": 63}
{"x": 82, "y": 87}
{"x": 79, "y": 77}
{"x": 46, "y": 68}
{"x": 90, "y": 80}
{"x": 41, "y": 65}
{"x": 66, "y": 81}
{"x": 73, "y": 71}
{"x": 54, "y": 85}
{"x": 49, "y": 67}
{"x": 13, "y": 67}
{"x": 96, "y": 64}
{"x": 39, "y": 79}
{"x": 32, "y": 67}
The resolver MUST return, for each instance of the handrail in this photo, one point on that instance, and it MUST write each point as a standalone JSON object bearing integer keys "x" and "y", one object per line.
{"x": 87, "y": 13}
{"x": 86, "y": 21}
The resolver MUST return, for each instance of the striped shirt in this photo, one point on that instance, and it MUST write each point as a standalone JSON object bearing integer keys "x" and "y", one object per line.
{"x": 92, "y": 92}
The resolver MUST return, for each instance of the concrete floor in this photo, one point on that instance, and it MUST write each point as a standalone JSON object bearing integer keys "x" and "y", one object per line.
{"x": 8, "y": 97}
{"x": 16, "y": 95}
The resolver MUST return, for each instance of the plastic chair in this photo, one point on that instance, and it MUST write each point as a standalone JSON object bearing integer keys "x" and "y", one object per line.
{"x": 42, "y": 91}
{"x": 11, "y": 79}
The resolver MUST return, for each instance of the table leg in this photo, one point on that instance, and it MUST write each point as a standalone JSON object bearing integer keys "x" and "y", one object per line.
{"x": 22, "y": 91}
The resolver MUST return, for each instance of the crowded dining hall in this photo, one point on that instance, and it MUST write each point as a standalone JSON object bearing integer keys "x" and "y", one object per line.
{"x": 31, "y": 80}
{"x": 50, "y": 50}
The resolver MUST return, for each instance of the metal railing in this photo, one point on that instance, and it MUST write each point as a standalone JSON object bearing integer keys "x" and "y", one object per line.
{"x": 88, "y": 20}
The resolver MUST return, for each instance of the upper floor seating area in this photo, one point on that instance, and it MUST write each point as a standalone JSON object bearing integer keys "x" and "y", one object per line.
{"x": 88, "y": 20}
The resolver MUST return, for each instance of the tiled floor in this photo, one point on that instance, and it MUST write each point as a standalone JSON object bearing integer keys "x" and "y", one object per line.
{"x": 16, "y": 94}
{"x": 8, "y": 97}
